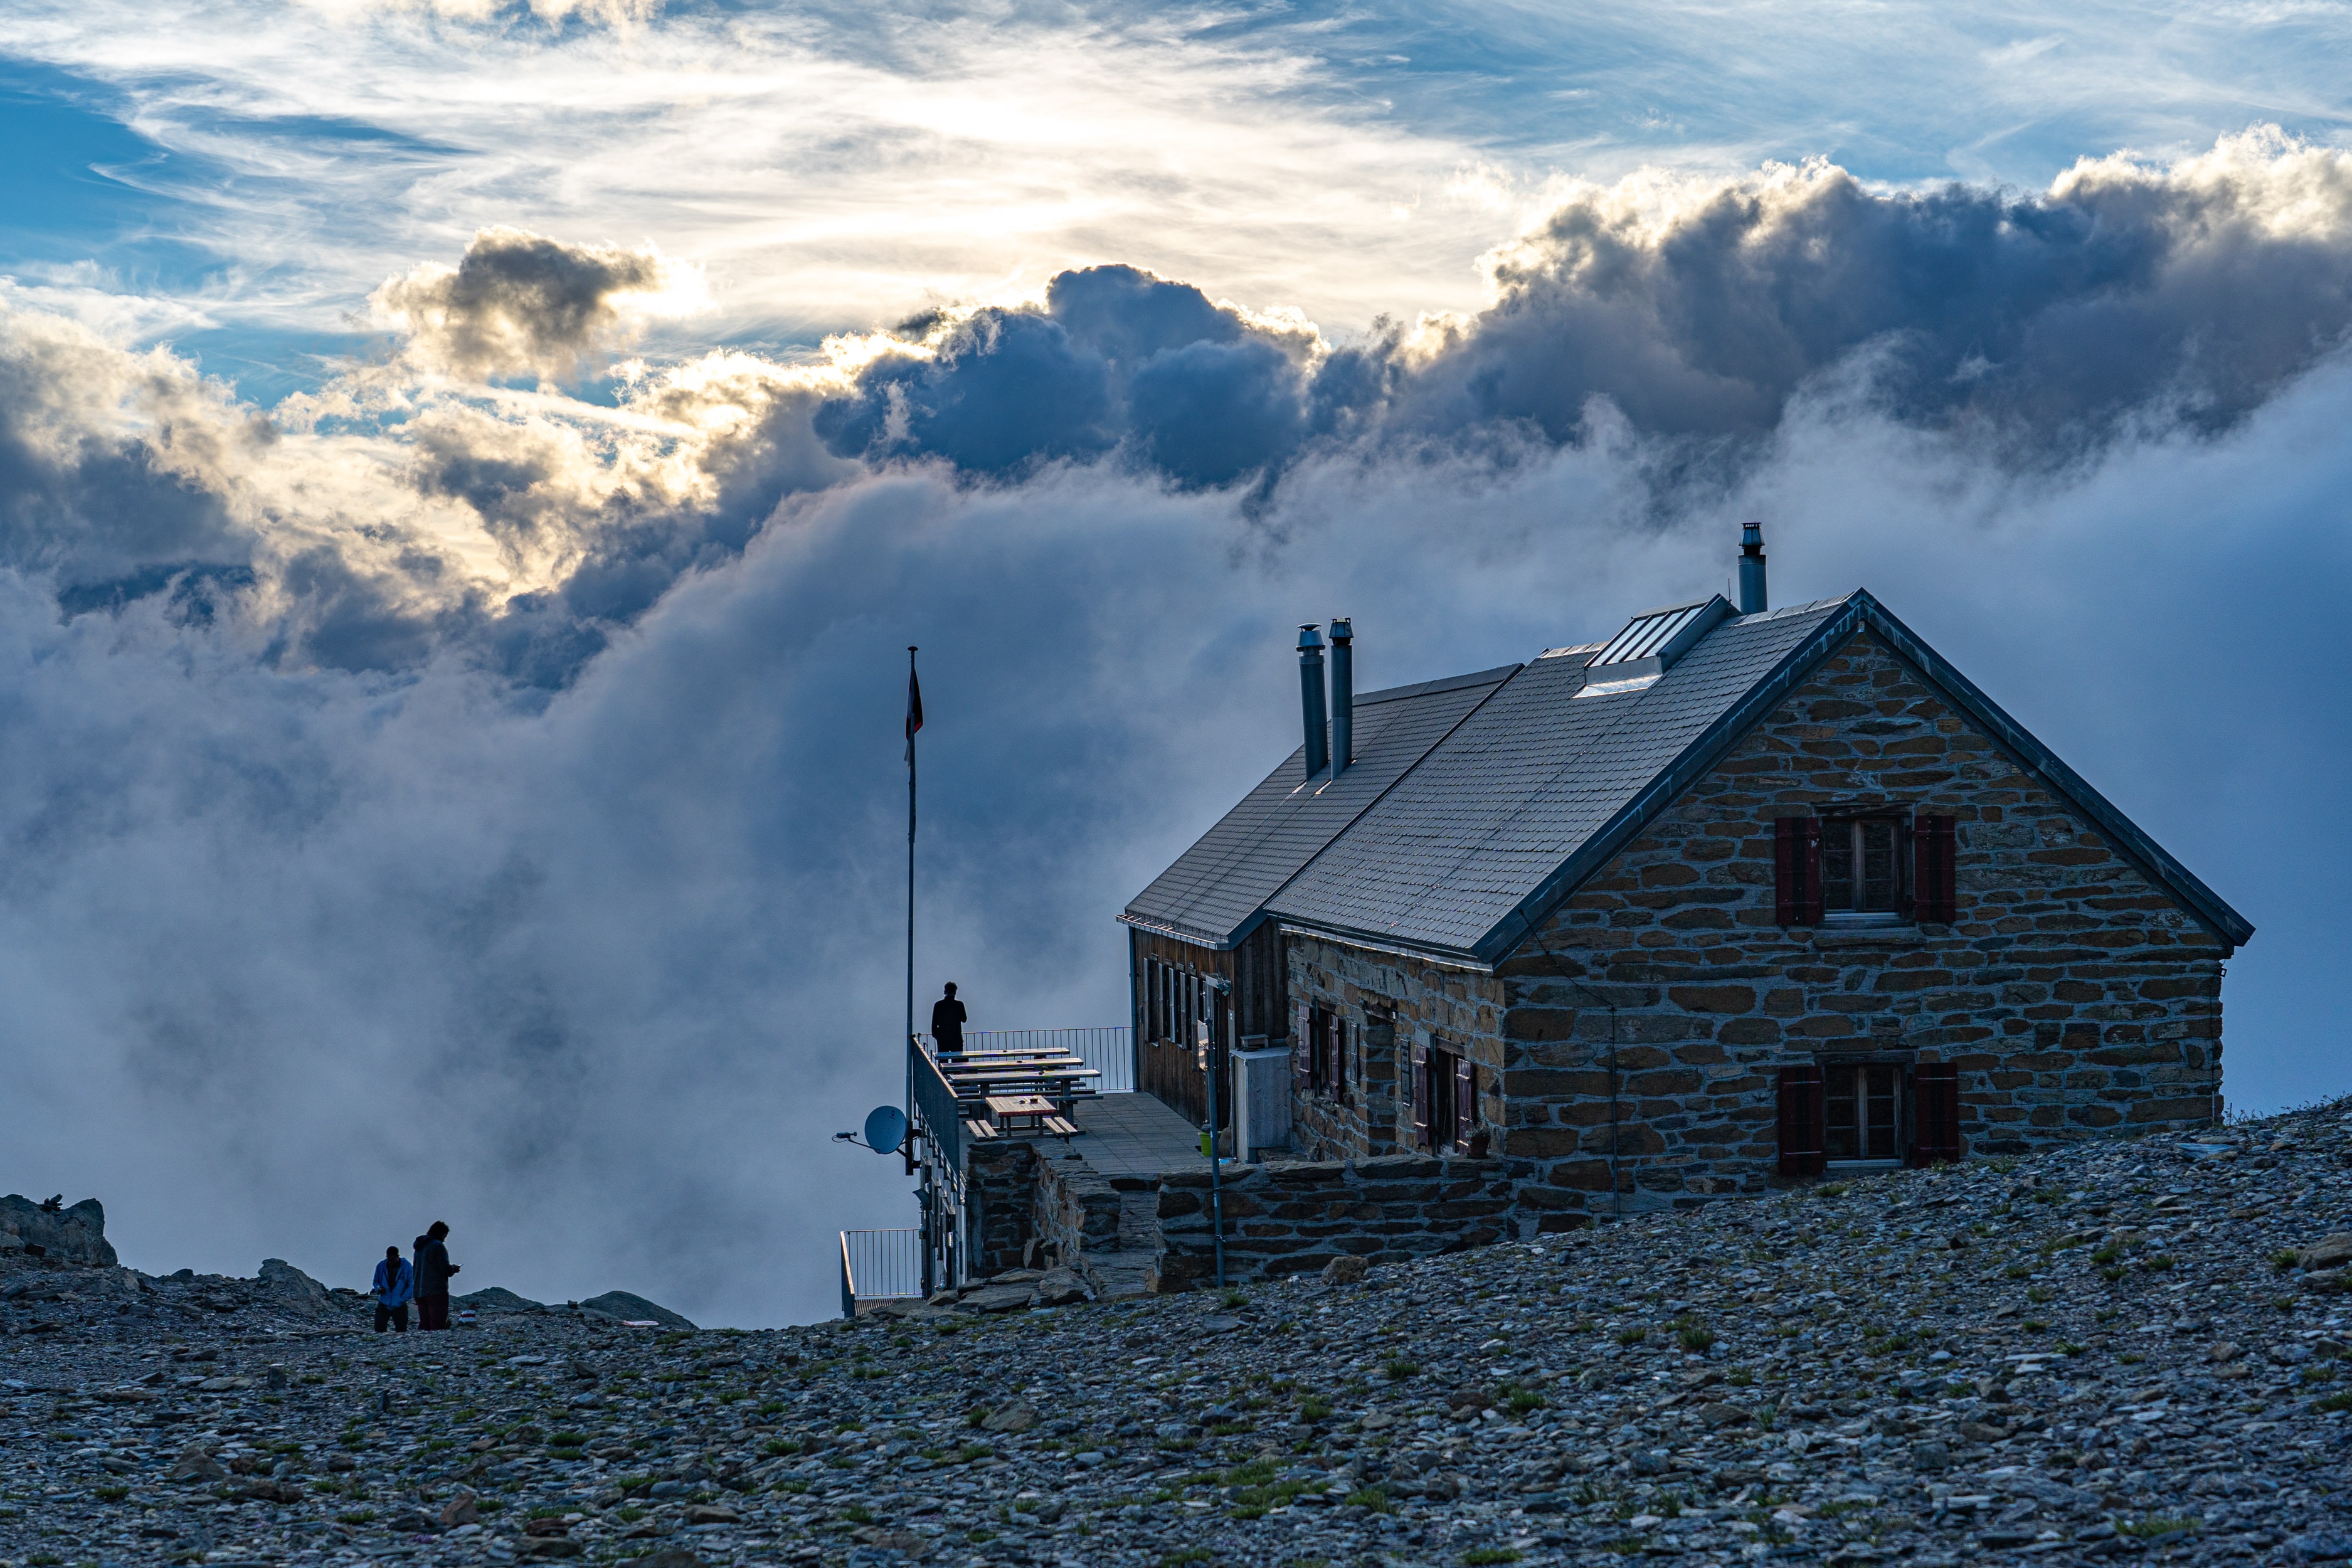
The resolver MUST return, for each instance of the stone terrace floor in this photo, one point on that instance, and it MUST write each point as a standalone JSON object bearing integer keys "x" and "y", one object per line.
{"x": 1134, "y": 1135}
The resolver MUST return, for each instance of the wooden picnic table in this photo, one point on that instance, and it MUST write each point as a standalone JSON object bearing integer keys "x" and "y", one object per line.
{"x": 1009, "y": 1108}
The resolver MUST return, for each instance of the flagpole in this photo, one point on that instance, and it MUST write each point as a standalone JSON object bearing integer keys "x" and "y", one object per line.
{"x": 908, "y": 1040}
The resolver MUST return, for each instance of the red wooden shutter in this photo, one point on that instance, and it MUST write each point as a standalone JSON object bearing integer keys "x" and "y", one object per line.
{"x": 1935, "y": 856}
{"x": 1797, "y": 871}
{"x": 1788, "y": 870}
{"x": 1419, "y": 1094}
{"x": 1302, "y": 1051}
{"x": 1466, "y": 1100}
{"x": 1800, "y": 1121}
{"x": 1934, "y": 1113}
{"x": 1812, "y": 833}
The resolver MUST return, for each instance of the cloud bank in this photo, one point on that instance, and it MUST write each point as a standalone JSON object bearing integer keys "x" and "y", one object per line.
{"x": 441, "y": 793}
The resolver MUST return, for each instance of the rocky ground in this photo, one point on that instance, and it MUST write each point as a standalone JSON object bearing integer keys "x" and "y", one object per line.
{"x": 2130, "y": 1349}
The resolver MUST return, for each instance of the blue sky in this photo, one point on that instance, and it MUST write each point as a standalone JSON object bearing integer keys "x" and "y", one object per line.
{"x": 469, "y": 473}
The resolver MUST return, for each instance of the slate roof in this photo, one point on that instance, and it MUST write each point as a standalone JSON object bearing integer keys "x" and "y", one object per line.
{"x": 1216, "y": 891}
{"x": 1487, "y": 810}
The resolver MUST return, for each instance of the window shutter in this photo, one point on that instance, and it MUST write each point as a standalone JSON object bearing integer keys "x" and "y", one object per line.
{"x": 1801, "y": 1119}
{"x": 1302, "y": 1052}
{"x": 1811, "y": 829}
{"x": 1421, "y": 1094}
{"x": 1465, "y": 1099}
{"x": 1934, "y": 1113}
{"x": 1338, "y": 1058}
{"x": 1935, "y": 848}
{"x": 1787, "y": 865}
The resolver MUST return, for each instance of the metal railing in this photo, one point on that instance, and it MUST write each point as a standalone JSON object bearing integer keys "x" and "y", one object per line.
{"x": 1109, "y": 1049}
{"x": 935, "y": 1105}
{"x": 879, "y": 1266}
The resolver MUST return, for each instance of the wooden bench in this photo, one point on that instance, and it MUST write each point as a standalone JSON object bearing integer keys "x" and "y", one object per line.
{"x": 1062, "y": 1127}
{"x": 978, "y": 1132}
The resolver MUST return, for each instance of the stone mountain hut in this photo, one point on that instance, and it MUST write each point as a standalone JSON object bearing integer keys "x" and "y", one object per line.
{"x": 1737, "y": 894}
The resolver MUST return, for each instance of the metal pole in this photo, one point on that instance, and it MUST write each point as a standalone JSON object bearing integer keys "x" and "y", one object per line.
{"x": 908, "y": 1040}
{"x": 1218, "y": 987}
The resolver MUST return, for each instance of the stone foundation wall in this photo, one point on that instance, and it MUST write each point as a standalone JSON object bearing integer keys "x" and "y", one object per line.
{"x": 1000, "y": 1190}
{"x": 1074, "y": 1211}
{"x": 1285, "y": 1219}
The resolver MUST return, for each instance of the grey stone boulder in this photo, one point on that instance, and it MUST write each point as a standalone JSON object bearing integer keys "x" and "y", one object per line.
{"x": 2327, "y": 1252}
{"x": 1344, "y": 1271}
{"x": 75, "y": 1235}
{"x": 498, "y": 1299}
{"x": 634, "y": 1309}
{"x": 291, "y": 1289}
{"x": 1060, "y": 1288}
{"x": 194, "y": 1465}
{"x": 998, "y": 1299}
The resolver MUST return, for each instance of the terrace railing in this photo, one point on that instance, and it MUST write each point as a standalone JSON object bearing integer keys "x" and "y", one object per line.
{"x": 1109, "y": 1050}
{"x": 935, "y": 1105}
{"x": 879, "y": 1266}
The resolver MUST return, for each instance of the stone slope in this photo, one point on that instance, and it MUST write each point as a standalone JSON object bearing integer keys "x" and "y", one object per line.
{"x": 2125, "y": 1349}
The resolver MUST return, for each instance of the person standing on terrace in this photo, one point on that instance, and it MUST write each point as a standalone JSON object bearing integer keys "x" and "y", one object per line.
{"x": 947, "y": 1024}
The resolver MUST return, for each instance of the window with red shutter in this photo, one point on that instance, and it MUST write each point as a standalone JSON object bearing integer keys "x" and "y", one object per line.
{"x": 1420, "y": 1095}
{"x": 1935, "y": 860}
{"x": 1934, "y": 1113}
{"x": 1801, "y": 1119}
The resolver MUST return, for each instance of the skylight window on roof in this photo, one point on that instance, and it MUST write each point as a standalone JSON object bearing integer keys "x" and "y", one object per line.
{"x": 1650, "y": 642}
{"x": 1648, "y": 632}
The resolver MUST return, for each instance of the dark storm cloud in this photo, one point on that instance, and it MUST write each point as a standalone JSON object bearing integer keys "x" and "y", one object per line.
{"x": 520, "y": 303}
{"x": 2045, "y": 322}
{"x": 2126, "y": 296}
{"x": 1116, "y": 358}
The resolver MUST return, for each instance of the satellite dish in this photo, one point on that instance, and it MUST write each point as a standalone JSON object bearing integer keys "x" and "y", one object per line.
{"x": 885, "y": 1128}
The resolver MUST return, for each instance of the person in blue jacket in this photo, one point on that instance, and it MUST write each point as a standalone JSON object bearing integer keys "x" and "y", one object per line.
{"x": 396, "y": 1287}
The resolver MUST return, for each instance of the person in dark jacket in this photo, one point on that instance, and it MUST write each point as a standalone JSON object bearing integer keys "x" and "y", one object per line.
{"x": 947, "y": 1024}
{"x": 433, "y": 1271}
{"x": 396, "y": 1287}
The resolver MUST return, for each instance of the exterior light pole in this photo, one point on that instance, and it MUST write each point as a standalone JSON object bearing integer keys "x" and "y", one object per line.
{"x": 1219, "y": 986}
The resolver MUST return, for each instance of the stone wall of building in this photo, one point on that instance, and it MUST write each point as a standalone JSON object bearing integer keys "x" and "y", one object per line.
{"x": 1282, "y": 1218}
{"x": 1650, "y": 1014}
{"x": 1391, "y": 1002}
{"x": 2071, "y": 994}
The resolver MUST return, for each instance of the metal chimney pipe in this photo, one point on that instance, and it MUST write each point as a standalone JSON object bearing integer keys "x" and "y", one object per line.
{"x": 1310, "y": 698}
{"x": 1752, "y": 600}
{"x": 1343, "y": 695}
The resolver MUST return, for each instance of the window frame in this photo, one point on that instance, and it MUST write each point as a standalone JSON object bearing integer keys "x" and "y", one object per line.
{"x": 1852, "y": 824}
{"x": 1898, "y": 1129}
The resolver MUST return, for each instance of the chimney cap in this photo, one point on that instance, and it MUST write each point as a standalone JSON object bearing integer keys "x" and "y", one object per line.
{"x": 1343, "y": 629}
{"x": 1751, "y": 538}
{"x": 1310, "y": 637}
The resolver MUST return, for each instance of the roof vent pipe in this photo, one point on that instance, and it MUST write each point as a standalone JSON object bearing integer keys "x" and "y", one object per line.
{"x": 1310, "y": 696}
{"x": 1343, "y": 695}
{"x": 1752, "y": 601}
